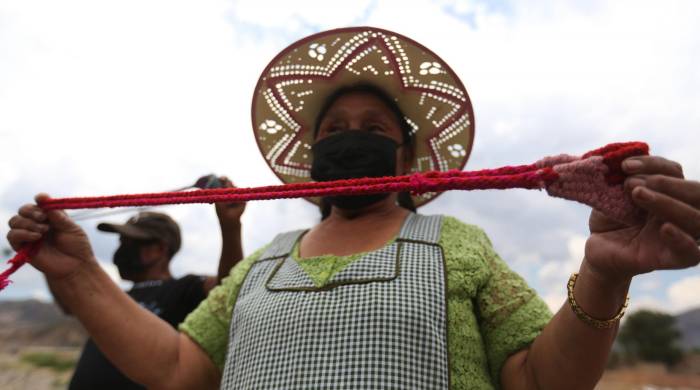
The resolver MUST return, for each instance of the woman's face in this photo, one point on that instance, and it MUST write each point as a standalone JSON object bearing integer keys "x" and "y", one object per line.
{"x": 365, "y": 112}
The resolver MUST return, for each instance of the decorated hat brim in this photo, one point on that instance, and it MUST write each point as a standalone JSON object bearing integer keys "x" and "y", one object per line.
{"x": 295, "y": 84}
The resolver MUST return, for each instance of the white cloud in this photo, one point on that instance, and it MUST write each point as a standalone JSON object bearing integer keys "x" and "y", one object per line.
{"x": 555, "y": 299}
{"x": 647, "y": 302}
{"x": 553, "y": 275}
{"x": 650, "y": 285}
{"x": 113, "y": 273}
{"x": 299, "y": 15}
{"x": 41, "y": 295}
{"x": 677, "y": 297}
{"x": 685, "y": 294}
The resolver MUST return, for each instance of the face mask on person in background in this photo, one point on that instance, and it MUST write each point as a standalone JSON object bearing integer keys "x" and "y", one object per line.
{"x": 127, "y": 258}
{"x": 354, "y": 154}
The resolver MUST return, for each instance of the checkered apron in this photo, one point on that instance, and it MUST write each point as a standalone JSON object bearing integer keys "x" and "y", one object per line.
{"x": 380, "y": 323}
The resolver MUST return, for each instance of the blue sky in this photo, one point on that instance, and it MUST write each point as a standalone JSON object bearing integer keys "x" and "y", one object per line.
{"x": 138, "y": 96}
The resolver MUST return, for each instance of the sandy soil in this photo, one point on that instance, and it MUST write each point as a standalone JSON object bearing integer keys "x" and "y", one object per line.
{"x": 18, "y": 375}
{"x": 648, "y": 377}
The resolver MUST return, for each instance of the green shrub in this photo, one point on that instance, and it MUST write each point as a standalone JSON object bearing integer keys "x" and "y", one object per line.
{"x": 652, "y": 337}
{"x": 50, "y": 360}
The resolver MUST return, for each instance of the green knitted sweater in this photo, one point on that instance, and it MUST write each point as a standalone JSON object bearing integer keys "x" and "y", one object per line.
{"x": 492, "y": 313}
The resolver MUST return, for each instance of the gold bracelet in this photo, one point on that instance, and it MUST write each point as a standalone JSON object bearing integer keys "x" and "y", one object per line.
{"x": 583, "y": 316}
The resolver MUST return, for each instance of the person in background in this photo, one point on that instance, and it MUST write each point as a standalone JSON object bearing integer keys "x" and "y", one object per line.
{"x": 148, "y": 243}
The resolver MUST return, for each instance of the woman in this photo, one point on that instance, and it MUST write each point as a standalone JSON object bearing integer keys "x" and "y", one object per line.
{"x": 376, "y": 296}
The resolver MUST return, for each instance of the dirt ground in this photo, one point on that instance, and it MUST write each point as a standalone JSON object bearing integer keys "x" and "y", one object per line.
{"x": 649, "y": 377}
{"x": 16, "y": 374}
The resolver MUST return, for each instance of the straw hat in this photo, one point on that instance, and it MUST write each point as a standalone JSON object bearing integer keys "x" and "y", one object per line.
{"x": 296, "y": 82}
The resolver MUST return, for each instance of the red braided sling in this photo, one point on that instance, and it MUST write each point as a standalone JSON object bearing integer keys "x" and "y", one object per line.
{"x": 594, "y": 179}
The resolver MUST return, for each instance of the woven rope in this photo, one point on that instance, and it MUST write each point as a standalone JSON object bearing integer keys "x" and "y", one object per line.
{"x": 594, "y": 179}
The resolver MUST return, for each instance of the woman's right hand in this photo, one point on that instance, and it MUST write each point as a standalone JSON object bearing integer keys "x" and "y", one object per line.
{"x": 65, "y": 248}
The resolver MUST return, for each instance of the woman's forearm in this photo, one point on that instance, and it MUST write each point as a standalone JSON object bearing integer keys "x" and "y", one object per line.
{"x": 570, "y": 354}
{"x": 56, "y": 298}
{"x": 141, "y": 345}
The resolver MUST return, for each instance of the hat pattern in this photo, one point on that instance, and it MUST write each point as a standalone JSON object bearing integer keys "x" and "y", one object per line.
{"x": 295, "y": 84}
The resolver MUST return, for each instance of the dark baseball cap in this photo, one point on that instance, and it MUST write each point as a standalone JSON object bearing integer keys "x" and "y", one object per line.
{"x": 148, "y": 225}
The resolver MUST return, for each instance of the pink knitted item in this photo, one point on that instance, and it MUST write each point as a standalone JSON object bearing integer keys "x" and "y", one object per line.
{"x": 594, "y": 179}
{"x": 586, "y": 181}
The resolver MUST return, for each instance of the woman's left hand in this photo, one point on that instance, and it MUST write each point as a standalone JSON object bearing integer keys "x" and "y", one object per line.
{"x": 666, "y": 239}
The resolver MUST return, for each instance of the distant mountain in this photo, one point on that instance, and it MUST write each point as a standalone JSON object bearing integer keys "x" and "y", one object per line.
{"x": 28, "y": 312}
{"x": 32, "y": 322}
{"x": 688, "y": 324}
{"x": 35, "y": 323}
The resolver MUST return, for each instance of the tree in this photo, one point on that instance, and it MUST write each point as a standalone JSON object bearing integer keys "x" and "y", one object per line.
{"x": 651, "y": 336}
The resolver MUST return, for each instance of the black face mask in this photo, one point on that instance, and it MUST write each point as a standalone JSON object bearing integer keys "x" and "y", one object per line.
{"x": 354, "y": 154}
{"x": 127, "y": 258}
